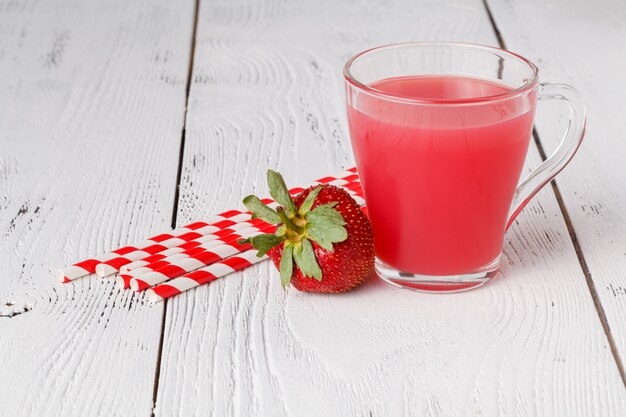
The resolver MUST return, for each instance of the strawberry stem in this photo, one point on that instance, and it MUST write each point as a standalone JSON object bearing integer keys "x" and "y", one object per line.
{"x": 290, "y": 225}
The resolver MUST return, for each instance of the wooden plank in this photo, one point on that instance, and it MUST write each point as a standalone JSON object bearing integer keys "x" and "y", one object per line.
{"x": 585, "y": 38}
{"x": 267, "y": 92}
{"x": 92, "y": 97}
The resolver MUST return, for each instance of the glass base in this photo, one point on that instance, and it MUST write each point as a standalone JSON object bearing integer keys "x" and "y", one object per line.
{"x": 437, "y": 283}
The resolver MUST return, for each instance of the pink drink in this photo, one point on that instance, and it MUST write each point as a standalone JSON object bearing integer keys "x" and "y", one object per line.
{"x": 439, "y": 178}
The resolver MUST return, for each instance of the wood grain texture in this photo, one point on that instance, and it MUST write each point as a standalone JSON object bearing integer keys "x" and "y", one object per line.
{"x": 267, "y": 92}
{"x": 587, "y": 41}
{"x": 92, "y": 97}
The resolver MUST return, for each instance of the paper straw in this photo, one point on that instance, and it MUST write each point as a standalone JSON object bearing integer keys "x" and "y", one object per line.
{"x": 123, "y": 280}
{"x": 219, "y": 269}
{"x": 152, "y": 245}
{"x": 113, "y": 265}
{"x": 207, "y": 245}
{"x": 180, "y": 264}
{"x": 236, "y": 232}
{"x": 112, "y": 261}
{"x": 204, "y": 275}
{"x": 180, "y": 267}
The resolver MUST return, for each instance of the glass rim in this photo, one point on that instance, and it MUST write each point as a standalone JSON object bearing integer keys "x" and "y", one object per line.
{"x": 528, "y": 85}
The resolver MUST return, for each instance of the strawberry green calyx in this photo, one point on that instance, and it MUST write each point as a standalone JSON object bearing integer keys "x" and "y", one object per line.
{"x": 298, "y": 228}
{"x": 292, "y": 230}
{"x": 279, "y": 191}
{"x": 261, "y": 210}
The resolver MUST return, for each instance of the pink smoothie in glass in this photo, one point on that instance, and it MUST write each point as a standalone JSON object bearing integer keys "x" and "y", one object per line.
{"x": 438, "y": 177}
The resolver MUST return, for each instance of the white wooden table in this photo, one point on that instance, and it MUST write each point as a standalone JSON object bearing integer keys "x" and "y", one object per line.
{"x": 97, "y": 150}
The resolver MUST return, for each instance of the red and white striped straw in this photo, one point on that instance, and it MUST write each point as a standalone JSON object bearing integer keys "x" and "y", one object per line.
{"x": 123, "y": 280}
{"x": 112, "y": 261}
{"x": 113, "y": 265}
{"x": 236, "y": 233}
{"x": 350, "y": 184}
{"x": 179, "y": 264}
{"x": 229, "y": 239}
{"x": 219, "y": 269}
{"x": 152, "y": 245}
{"x": 180, "y": 267}
{"x": 204, "y": 275}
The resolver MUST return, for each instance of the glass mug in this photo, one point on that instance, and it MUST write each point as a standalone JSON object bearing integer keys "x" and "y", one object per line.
{"x": 440, "y": 132}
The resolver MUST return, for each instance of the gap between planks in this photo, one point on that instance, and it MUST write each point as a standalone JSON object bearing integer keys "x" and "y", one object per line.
{"x": 570, "y": 228}
{"x": 181, "y": 153}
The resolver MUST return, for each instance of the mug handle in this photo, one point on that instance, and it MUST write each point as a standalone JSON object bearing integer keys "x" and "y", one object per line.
{"x": 564, "y": 153}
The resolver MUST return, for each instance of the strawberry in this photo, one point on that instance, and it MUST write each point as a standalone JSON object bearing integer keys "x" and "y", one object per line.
{"x": 323, "y": 231}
